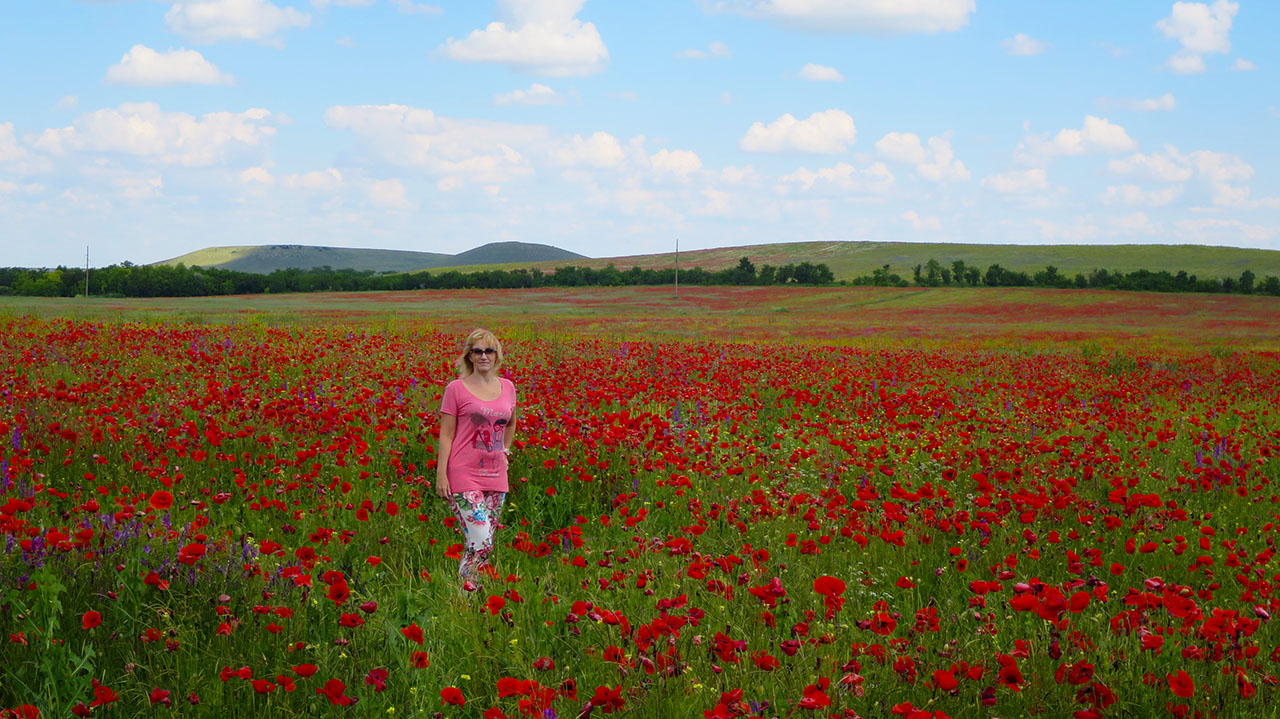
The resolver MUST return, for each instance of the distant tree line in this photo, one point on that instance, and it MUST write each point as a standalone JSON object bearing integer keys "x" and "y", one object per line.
{"x": 130, "y": 280}
{"x": 958, "y": 274}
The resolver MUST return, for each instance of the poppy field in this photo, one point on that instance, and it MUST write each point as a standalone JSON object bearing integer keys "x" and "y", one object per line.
{"x": 802, "y": 510}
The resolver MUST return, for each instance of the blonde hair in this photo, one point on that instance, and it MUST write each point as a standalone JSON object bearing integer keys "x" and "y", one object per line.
{"x": 477, "y": 335}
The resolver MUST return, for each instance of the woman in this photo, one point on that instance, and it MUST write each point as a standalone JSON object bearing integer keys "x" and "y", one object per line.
{"x": 477, "y": 428}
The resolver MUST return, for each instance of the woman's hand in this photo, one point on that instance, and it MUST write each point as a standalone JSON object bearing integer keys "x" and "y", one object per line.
{"x": 442, "y": 487}
{"x": 448, "y": 426}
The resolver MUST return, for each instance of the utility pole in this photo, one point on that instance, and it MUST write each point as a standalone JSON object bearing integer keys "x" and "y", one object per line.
{"x": 677, "y": 268}
{"x": 86, "y": 272}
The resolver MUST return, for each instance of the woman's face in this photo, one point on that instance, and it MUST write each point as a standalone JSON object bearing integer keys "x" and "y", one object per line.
{"x": 483, "y": 356}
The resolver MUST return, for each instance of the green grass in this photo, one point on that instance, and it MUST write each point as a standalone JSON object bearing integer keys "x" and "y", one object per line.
{"x": 853, "y": 259}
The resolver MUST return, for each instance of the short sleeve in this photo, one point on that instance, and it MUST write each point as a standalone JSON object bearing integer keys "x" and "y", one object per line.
{"x": 449, "y": 404}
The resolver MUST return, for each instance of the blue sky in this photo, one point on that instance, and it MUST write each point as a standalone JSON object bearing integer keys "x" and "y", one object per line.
{"x": 151, "y": 128}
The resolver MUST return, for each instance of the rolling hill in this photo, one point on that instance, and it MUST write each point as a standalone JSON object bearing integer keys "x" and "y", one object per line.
{"x": 853, "y": 259}
{"x": 265, "y": 259}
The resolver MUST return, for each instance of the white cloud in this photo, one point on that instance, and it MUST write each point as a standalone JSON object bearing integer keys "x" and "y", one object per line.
{"x": 1083, "y": 229}
{"x": 735, "y": 175}
{"x": 1136, "y": 224}
{"x": 601, "y": 150}
{"x": 1202, "y": 29}
{"x": 68, "y": 102}
{"x": 1243, "y": 65}
{"x": 1163, "y": 103}
{"x": 541, "y": 37}
{"x": 217, "y": 20}
{"x": 1023, "y": 45}
{"x": 142, "y": 66}
{"x": 412, "y": 137}
{"x": 1223, "y": 176}
{"x": 875, "y": 179}
{"x": 937, "y": 163}
{"x": 257, "y": 175}
{"x": 1166, "y": 166}
{"x": 680, "y": 163}
{"x": 874, "y": 17}
{"x": 1218, "y": 170}
{"x": 715, "y": 50}
{"x": 389, "y": 194}
{"x": 10, "y": 151}
{"x": 828, "y": 132}
{"x": 1098, "y": 135}
{"x": 145, "y": 130}
{"x": 1134, "y": 195}
{"x": 1224, "y": 232}
{"x": 316, "y": 181}
{"x": 1018, "y": 182}
{"x": 820, "y": 73}
{"x": 911, "y": 217}
{"x": 345, "y": 41}
{"x": 537, "y": 94}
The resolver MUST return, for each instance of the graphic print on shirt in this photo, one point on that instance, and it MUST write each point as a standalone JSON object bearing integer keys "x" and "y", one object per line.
{"x": 490, "y": 426}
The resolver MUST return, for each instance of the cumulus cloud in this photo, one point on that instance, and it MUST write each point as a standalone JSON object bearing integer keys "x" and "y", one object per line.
{"x": 10, "y": 151}
{"x": 600, "y": 150}
{"x": 715, "y": 50}
{"x": 820, "y": 73}
{"x": 328, "y": 180}
{"x": 1243, "y": 65}
{"x": 322, "y": 4}
{"x": 409, "y": 7}
{"x": 142, "y": 66}
{"x": 1168, "y": 165}
{"x": 936, "y": 163}
{"x": 829, "y": 132}
{"x": 1223, "y": 176}
{"x": 1201, "y": 29}
{"x": 871, "y": 17}
{"x": 143, "y": 129}
{"x": 541, "y": 37}
{"x": 845, "y": 178}
{"x": 1136, "y": 224}
{"x": 1097, "y": 135}
{"x": 1022, "y": 45}
{"x": 1018, "y": 182}
{"x": 257, "y": 176}
{"x": 1136, "y": 196}
{"x": 212, "y": 21}
{"x": 413, "y": 137}
{"x": 680, "y": 163}
{"x": 68, "y": 102}
{"x": 389, "y": 194}
{"x": 913, "y": 218}
{"x": 537, "y": 94}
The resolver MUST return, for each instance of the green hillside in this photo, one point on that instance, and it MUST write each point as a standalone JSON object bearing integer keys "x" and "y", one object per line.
{"x": 264, "y": 259}
{"x": 852, "y": 259}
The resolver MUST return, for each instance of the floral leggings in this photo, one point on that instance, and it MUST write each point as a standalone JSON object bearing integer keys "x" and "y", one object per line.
{"x": 478, "y": 512}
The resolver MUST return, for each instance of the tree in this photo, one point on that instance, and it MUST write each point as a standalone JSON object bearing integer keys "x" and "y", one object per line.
{"x": 958, "y": 269}
{"x": 744, "y": 273}
{"x": 1246, "y": 282}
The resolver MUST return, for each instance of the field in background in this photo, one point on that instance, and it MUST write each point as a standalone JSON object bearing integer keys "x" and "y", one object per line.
{"x": 838, "y": 315}
{"x": 848, "y": 260}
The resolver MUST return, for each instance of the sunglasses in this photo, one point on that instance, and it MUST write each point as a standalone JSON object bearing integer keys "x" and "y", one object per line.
{"x": 478, "y": 352}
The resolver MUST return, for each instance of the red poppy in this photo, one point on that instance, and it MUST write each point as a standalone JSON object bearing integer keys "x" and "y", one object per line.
{"x": 1181, "y": 685}
{"x": 305, "y": 670}
{"x": 452, "y": 695}
{"x": 161, "y": 500}
{"x": 91, "y": 619}
{"x": 419, "y": 660}
{"x": 945, "y": 680}
{"x": 413, "y": 633}
{"x": 377, "y": 678}
{"x": 335, "y": 691}
{"x": 609, "y": 700}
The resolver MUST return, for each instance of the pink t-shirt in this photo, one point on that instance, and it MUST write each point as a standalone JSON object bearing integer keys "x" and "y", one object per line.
{"x": 476, "y": 460}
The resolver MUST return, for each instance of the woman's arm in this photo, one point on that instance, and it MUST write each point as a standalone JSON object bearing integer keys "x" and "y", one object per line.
{"x": 448, "y": 426}
{"x": 509, "y": 434}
